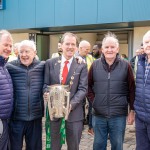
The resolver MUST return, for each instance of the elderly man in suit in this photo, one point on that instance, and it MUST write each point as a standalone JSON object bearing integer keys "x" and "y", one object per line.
{"x": 77, "y": 80}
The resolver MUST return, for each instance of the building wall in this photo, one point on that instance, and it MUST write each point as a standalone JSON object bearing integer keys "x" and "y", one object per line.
{"x": 26, "y": 14}
{"x": 18, "y": 37}
{"x": 91, "y": 37}
{"x": 54, "y": 39}
{"x": 138, "y": 37}
{"x": 123, "y": 49}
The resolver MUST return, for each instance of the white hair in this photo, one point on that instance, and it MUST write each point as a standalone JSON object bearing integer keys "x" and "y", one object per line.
{"x": 83, "y": 43}
{"x": 27, "y": 43}
{"x": 112, "y": 36}
{"x": 5, "y": 32}
{"x": 147, "y": 34}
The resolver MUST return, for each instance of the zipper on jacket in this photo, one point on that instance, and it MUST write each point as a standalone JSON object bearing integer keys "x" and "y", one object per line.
{"x": 108, "y": 75}
{"x": 144, "y": 101}
{"x": 108, "y": 102}
{"x": 28, "y": 84}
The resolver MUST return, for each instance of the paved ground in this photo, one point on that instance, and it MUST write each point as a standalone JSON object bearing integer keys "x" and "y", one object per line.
{"x": 87, "y": 140}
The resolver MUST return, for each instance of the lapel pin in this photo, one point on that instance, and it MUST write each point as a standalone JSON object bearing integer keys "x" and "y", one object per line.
{"x": 71, "y": 82}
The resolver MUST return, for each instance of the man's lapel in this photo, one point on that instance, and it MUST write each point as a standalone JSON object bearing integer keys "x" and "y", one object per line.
{"x": 72, "y": 70}
{"x": 57, "y": 69}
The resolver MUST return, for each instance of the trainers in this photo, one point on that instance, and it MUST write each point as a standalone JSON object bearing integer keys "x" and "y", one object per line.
{"x": 90, "y": 132}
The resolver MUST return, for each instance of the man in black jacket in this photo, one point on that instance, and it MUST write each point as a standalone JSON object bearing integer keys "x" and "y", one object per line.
{"x": 27, "y": 75}
{"x": 111, "y": 87}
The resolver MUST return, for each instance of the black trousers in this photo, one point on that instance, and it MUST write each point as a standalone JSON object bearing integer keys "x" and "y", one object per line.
{"x": 31, "y": 130}
{"x": 4, "y": 140}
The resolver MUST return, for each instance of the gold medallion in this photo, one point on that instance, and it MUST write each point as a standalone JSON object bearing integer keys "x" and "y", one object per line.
{"x": 72, "y": 77}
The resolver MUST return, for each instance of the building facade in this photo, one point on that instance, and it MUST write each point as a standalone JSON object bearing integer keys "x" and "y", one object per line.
{"x": 46, "y": 20}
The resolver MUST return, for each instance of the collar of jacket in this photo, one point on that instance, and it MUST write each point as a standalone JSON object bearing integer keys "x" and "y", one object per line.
{"x": 105, "y": 64}
{"x": 142, "y": 57}
{"x": 3, "y": 61}
{"x": 34, "y": 62}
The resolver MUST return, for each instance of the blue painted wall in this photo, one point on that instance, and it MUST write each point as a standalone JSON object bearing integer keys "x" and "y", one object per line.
{"x": 23, "y": 14}
{"x": 86, "y": 12}
{"x": 136, "y": 10}
{"x": 45, "y": 13}
{"x": 10, "y": 15}
{"x": 109, "y": 11}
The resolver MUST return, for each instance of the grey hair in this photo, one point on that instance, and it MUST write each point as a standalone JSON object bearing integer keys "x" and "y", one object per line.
{"x": 110, "y": 35}
{"x": 5, "y": 32}
{"x": 27, "y": 43}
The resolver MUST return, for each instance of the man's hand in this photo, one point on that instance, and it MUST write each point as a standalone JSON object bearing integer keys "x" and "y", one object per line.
{"x": 80, "y": 59}
{"x": 139, "y": 51}
{"x": 46, "y": 97}
{"x": 131, "y": 117}
{"x": 70, "y": 108}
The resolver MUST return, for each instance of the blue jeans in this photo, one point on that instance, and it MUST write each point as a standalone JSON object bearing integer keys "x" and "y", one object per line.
{"x": 114, "y": 126}
{"x": 142, "y": 134}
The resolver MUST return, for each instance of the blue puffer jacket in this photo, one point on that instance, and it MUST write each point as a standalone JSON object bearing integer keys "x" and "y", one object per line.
{"x": 142, "y": 96}
{"x": 6, "y": 91}
{"x": 28, "y": 84}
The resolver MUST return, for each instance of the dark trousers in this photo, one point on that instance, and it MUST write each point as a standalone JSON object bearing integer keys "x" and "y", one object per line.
{"x": 4, "y": 140}
{"x": 90, "y": 115}
{"x": 142, "y": 134}
{"x": 73, "y": 134}
{"x": 84, "y": 114}
{"x": 31, "y": 130}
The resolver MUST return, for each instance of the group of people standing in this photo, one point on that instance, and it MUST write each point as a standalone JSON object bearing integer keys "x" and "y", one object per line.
{"x": 108, "y": 84}
{"x": 21, "y": 102}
